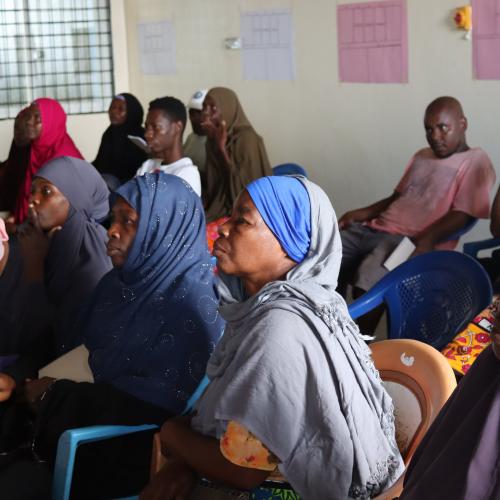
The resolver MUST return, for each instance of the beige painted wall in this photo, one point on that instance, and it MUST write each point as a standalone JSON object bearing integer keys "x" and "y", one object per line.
{"x": 354, "y": 139}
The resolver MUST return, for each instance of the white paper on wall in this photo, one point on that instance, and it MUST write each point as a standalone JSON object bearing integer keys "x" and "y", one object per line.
{"x": 267, "y": 45}
{"x": 157, "y": 48}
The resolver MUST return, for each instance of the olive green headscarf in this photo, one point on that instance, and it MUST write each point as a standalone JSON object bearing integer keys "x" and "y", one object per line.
{"x": 245, "y": 149}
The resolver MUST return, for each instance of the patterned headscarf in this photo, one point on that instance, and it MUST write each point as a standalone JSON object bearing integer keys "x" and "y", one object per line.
{"x": 153, "y": 323}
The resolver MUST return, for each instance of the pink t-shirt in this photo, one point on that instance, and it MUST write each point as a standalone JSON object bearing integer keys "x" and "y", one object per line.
{"x": 431, "y": 187}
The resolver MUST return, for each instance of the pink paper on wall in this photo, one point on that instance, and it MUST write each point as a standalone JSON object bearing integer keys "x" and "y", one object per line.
{"x": 373, "y": 42}
{"x": 486, "y": 39}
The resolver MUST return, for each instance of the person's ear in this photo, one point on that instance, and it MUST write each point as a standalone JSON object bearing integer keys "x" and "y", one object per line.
{"x": 463, "y": 123}
{"x": 179, "y": 128}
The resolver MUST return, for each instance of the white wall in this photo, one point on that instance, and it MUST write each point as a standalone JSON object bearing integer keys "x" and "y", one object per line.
{"x": 354, "y": 139}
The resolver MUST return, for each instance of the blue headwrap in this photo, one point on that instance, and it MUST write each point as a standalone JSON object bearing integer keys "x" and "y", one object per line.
{"x": 283, "y": 203}
{"x": 153, "y": 323}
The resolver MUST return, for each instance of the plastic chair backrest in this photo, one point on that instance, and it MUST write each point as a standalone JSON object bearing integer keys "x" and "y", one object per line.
{"x": 419, "y": 381}
{"x": 289, "y": 169}
{"x": 457, "y": 234}
{"x": 474, "y": 247}
{"x": 430, "y": 297}
{"x": 68, "y": 444}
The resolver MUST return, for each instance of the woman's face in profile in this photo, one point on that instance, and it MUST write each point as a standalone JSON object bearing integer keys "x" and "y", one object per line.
{"x": 117, "y": 112}
{"x": 246, "y": 247}
{"x": 28, "y": 125}
{"x": 211, "y": 113}
{"x": 121, "y": 232}
{"x": 49, "y": 203}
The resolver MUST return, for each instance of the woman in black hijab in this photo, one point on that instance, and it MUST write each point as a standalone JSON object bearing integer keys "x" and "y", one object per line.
{"x": 117, "y": 155}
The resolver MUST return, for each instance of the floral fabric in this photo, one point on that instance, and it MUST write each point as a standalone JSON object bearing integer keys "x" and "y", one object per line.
{"x": 464, "y": 349}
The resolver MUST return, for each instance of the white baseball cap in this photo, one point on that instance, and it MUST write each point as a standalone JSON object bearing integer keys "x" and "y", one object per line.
{"x": 196, "y": 101}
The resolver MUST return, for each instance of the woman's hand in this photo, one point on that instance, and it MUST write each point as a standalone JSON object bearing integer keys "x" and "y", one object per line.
{"x": 34, "y": 244}
{"x": 175, "y": 481}
{"x": 7, "y": 386}
{"x": 10, "y": 225}
{"x": 216, "y": 132}
{"x": 359, "y": 215}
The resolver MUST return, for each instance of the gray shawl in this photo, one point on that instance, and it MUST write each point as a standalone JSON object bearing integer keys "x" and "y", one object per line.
{"x": 293, "y": 368}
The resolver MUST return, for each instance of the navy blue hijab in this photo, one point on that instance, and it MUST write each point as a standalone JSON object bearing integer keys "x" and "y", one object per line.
{"x": 152, "y": 324}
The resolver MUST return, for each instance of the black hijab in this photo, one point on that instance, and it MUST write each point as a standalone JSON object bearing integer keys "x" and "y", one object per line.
{"x": 117, "y": 155}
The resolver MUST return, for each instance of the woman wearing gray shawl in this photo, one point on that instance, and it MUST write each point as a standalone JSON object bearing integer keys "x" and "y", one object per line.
{"x": 292, "y": 368}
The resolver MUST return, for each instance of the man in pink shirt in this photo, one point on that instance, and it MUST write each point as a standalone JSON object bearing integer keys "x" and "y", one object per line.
{"x": 442, "y": 189}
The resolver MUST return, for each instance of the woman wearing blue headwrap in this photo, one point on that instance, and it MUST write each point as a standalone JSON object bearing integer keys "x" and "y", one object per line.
{"x": 292, "y": 386}
{"x": 150, "y": 327}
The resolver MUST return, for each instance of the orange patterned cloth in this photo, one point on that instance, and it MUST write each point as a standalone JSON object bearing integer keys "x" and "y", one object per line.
{"x": 212, "y": 234}
{"x": 463, "y": 350}
{"x": 242, "y": 448}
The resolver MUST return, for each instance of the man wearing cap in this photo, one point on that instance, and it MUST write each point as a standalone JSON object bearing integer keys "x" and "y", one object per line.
{"x": 195, "y": 145}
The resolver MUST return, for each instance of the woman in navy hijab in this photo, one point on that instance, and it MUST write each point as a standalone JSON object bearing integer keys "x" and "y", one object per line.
{"x": 150, "y": 328}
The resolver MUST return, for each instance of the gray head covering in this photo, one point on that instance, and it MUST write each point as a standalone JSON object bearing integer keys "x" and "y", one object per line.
{"x": 293, "y": 368}
{"x": 77, "y": 257}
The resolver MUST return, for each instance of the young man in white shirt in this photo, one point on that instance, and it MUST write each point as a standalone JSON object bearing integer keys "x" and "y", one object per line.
{"x": 164, "y": 125}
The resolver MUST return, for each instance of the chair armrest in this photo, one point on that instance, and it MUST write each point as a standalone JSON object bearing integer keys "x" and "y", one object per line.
{"x": 364, "y": 304}
{"x": 474, "y": 247}
{"x": 66, "y": 450}
{"x": 196, "y": 395}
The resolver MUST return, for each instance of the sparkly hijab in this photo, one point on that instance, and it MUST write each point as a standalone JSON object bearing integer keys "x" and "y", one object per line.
{"x": 293, "y": 369}
{"x": 53, "y": 142}
{"x": 152, "y": 324}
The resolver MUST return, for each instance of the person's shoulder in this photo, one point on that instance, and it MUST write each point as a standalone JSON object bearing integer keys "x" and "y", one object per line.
{"x": 280, "y": 325}
{"x": 479, "y": 155}
{"x": 248, "y": 134}
{"x": 424, "y": 154}
{"x": 187, "y": 162}
{"x": 148, "y": 166}
{"x": 183, "y": 165}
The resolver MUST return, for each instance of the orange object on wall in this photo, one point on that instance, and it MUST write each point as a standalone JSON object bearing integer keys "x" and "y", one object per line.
{"x": 463, "y": 17}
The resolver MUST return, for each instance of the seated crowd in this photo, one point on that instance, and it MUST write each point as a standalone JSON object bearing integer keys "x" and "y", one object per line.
{"x": 254, "y": 371}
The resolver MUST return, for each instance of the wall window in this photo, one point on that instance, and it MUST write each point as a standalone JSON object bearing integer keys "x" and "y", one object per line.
{"x": 55, "y": 48}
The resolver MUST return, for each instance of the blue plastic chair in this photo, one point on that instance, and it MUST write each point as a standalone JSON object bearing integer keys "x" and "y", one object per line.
{"x": 289, "y": 169}
{"x": 72, "y": 438}
{"x": 458, "y": 234}
{"x": 474, "y": 247}
{"x": 430, "y": 298}
{"x": 68, "y": 444}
